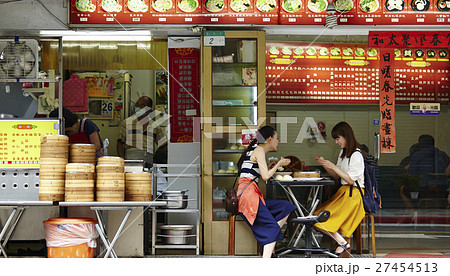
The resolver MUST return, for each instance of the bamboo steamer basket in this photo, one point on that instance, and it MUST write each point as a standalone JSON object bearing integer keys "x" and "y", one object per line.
{"x": 79, "y": 186}
{"x": 111, "y": 160}
{"x": 52, "y": 175}
{"x": 111, "y": 183}
{"x": 80, "y": 167}
{"x": 110, "y": 194}
{"x": 54, "y": 146}
{"x": 82, "y": 153}
{"x": 138, "y": 186}
{"x": 107, "y": 168}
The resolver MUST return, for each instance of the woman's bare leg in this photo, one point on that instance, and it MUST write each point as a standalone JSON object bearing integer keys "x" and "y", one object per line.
{"x": 336, "y": 237}
{"x": 268, "y": 249}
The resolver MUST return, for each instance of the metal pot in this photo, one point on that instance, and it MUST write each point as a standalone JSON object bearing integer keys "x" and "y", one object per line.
{"x": 6, "y": 116}
{"x": 175, "y": 234}
{"x": 175, "y": 199}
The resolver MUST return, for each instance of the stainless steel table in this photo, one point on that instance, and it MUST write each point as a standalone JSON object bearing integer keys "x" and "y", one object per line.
{"x": 98, "y": 207}
{"x": 17, "y": 209}
{"x": 315, "y": 186}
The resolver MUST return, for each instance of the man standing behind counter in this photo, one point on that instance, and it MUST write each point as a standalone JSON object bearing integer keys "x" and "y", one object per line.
{"x": 139, "y": 133}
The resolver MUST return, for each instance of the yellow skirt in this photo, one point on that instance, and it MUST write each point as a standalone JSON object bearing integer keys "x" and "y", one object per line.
{"x": 346, "y": 212}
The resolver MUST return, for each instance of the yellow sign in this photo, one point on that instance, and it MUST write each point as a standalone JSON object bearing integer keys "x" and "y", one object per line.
{"x": 356, "y": 62}
{"x": 418, "y": 64}
{"x": 20, "y": 141}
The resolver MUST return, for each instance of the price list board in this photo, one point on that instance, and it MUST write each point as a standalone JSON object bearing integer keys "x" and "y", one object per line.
{"x": 273, "y": 12}
{"x": 184, "y": 92}
{"x": 20, "y": 141}
{"x": 350, "y": 73}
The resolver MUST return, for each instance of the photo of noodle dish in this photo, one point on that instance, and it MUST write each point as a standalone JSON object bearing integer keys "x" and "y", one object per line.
{"x": 85, "y": 6}
{"x": 343, "y": 5}
{"x": 317, "y": 6}
{"x": 240, "y": 5}
{"x": 162, "y": 5}
{"x": 214, "y": 5}
{"x": 111, "y": 6}
{"x": 137, "y": 6}
{"x": 395, "y": 5}
{"x": 291, "y": 5}
{"x": 369, "y": 6}
{"x": 188, "y": 5}
{"x": 266, "y": 5}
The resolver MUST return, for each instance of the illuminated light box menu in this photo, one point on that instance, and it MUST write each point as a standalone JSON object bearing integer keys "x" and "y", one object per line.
{"x": 184, "y": 93}
{"x": 300, "y": 73}
{"x": 344, "y": 73}
{"x": 174, "y": 12}
{"x": 20, "y": 141}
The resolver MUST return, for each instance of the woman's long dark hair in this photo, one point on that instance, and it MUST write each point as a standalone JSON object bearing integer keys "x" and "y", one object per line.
{"x": 345, "y": 130}
{"x": 261, "y": 136}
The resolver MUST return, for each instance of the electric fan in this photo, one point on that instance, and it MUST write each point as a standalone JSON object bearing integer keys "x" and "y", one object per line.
{"x": 19, "y": 59}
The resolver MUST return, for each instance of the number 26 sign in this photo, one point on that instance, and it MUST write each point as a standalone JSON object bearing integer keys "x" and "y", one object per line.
{"x": 101, "y": 108}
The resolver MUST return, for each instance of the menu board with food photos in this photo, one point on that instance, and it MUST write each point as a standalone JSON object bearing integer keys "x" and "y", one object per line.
{"x": 350, "y": 73}
{"x": 174, "y": 12}
{"x": 274, "y": 12}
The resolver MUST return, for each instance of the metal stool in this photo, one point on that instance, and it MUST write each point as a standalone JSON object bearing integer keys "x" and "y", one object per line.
{"x": 309, "y": 223}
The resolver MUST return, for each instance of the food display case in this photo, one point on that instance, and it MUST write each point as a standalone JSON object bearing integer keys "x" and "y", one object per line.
{"x": 233, "y": 100}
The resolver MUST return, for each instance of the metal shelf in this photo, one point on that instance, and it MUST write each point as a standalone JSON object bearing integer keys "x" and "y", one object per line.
{"x": 29, "y": 80}
{"x": 179, "y": 211}
{"x": 178, "y": 246}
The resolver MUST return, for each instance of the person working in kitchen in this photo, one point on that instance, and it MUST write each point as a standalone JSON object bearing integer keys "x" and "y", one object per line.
{"x": 265, "y": 217}
{"x": 80, "y": 131}
{"x": 345, "y": 206}
{"x": 139, "y": 133}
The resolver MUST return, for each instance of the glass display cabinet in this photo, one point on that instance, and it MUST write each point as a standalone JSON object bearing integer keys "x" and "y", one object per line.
{"x": 233, "y": 99}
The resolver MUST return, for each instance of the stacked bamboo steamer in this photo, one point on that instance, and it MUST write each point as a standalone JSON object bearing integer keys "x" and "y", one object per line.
{"x": 80, "y": 180}
{"x": 80, "y": 185}
{"x": 82, "y": 153}
{"x": 53, "y": 161}
{"x": 138, "y": 186}
{"x": 110, "y": 179}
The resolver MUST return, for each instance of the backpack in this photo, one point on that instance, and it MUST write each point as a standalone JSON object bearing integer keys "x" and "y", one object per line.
{"x": 371, "y": 200}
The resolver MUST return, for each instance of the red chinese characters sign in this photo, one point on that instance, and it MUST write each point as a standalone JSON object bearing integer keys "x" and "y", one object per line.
{"x": 409, "y": 39}
{"x": 184, "y": 93}
{"x": 387, "y": 100}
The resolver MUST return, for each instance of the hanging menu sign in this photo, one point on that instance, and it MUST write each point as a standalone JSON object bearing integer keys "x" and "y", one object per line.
{"x": 387, "y": 101}
{"x": 184, "y": 93}
{"x": 20, "y": 141}
{"x": 274, "y": 12}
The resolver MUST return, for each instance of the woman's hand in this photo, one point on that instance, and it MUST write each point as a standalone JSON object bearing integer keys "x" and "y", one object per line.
{"x": 325, "y": 163}
{"x": 284, "y": 161}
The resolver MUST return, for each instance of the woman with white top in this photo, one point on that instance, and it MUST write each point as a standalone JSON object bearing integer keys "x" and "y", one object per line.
{"x": 345, "y": 206}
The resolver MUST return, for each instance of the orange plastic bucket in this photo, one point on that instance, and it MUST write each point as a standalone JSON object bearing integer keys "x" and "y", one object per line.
{"x": 68, "y": 234}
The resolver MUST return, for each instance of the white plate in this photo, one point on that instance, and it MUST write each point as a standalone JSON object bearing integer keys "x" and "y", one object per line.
{"x": 307, "y": 179}
{"x": 282, "y": 173}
